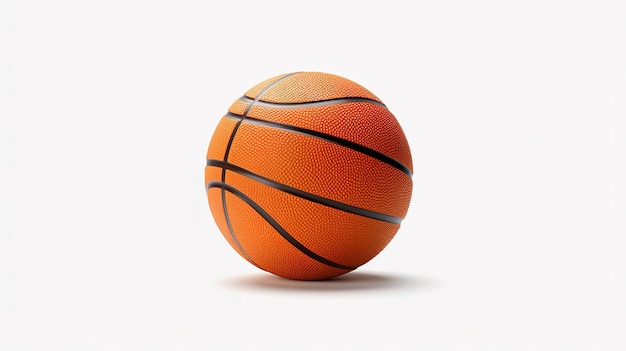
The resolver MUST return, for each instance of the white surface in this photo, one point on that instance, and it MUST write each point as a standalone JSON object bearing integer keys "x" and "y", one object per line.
{"x": 515, "y": 112}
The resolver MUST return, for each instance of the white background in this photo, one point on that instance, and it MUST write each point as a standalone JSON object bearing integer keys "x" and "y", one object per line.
{"x": 515, "y": 112}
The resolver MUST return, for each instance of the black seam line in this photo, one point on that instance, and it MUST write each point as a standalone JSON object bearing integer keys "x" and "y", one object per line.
{"x": 327, "y": 137}
{"x": 256, "y": 99}
{"x": 232, "y": 134}
{"x": 232, "y": 232}
{"x": 316, "y": 103}
{"x": 303, "y": 194}
{"x": 230, "y": 143}
{"x": 276, "y": 226}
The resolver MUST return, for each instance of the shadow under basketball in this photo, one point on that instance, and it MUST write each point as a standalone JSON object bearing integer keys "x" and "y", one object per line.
{"x": 348, "y": 282}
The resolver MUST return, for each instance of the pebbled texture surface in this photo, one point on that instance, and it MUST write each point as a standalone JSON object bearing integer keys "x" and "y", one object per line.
{"x": 254, "y": 91}
{"x": 238, "y": 107}
{"x": 222, "y": 133}
{"x": 339, "y": 236}
{"x": 321, "y": 168}
{"x": 269, "y": 250}
{"x": 366, "y": 124}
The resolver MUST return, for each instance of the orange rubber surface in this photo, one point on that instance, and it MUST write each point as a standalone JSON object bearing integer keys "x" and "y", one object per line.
{"x": 254, "y": 91}
{"x": 321, "y": 168}
{"x": 219, "y": 141}
{"x": 367, "y": 124}
{"x": 238, "y": 107}
{"x": 342, "y": 237}
{"x": 269, "y": 250}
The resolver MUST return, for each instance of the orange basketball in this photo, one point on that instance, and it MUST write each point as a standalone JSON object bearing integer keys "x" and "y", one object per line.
{"x": 308, "y": 175}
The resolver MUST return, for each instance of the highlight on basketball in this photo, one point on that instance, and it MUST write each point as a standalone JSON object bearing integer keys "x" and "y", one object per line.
{"x": 308, "y": 175}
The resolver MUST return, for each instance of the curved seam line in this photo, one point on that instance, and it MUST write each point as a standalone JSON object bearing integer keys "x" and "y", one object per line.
{"x": 303, "y": 194}
{"x": 226, "y": 152}
{"x": 327, "y": 137}
{"x": 315, "y": 103}
{"x": 271, "y": 221}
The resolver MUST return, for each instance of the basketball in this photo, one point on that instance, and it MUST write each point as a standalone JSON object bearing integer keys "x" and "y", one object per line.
{"x": 308, "y": 175}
